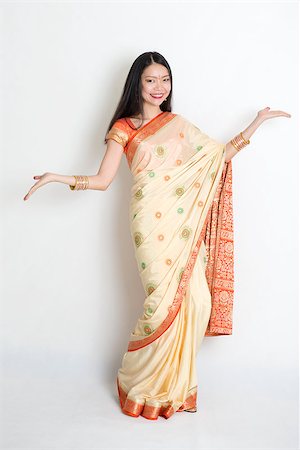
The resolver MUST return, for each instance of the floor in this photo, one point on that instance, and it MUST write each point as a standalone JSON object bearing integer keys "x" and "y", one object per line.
{"x": 238, "y": 408}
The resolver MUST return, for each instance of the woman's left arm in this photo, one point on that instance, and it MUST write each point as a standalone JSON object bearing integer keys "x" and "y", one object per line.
{"x": 262, "y": 115}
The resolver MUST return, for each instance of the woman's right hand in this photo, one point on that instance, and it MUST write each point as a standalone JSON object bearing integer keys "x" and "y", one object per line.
{"x": 42, "y": 180}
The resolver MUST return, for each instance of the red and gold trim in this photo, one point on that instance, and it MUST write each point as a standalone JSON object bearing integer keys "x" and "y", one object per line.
{"x": 135, "y": 409}
{"x": 219, "y": 244}
{"x": 118, "y": 135}
{"x": 145, "y": 131}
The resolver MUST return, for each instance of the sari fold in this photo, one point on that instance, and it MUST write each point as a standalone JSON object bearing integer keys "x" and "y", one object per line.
{"x": 181, "y": 224}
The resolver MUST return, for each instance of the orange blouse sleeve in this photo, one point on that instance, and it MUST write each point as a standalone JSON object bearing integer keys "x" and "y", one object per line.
{"x": 119, "y": 133}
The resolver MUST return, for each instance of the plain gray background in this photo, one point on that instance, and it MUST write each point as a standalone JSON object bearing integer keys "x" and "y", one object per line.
{"x": 71, "y": 290}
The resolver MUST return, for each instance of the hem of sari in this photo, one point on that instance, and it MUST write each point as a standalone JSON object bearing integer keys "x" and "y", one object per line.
{"x": 136, "y": 409}
{"x": 218, "y": 332}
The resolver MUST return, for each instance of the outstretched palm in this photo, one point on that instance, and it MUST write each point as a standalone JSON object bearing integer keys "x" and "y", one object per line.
{"x": 265, "y": 114}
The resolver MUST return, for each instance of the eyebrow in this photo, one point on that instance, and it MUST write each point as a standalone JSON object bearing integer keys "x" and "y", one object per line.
{"x": 150, "y": 76}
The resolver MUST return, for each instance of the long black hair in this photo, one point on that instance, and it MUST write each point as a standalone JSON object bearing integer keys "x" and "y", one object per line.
{"x": 131, "y": 102}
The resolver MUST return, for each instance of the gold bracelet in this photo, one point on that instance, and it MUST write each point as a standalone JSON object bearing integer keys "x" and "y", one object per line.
{"x": 246, "y": 142}
{"x": 239, "y": 142}
{"x": 81, "y": 182}
{"x": 235, "y": 145}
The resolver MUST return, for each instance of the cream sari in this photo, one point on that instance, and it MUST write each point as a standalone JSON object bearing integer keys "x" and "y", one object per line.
{"x": 182, "y": 230}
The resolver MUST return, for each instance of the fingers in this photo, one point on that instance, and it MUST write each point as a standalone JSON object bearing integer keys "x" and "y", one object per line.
{"x": 281, "y": 113}
{"x": 32, "y": 189}
{"x": 270, "y": 114}
{"x": 286, "y": 114}
{"x": 277, "y": 113}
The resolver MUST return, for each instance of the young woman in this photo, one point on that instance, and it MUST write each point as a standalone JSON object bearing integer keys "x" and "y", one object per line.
{"x": 182, "y": 231}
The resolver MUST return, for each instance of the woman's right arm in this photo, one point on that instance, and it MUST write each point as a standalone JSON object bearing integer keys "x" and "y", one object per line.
{"x": 106, "y": 173}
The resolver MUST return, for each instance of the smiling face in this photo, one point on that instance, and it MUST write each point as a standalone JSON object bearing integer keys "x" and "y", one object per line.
{"x": 156, "y": 84}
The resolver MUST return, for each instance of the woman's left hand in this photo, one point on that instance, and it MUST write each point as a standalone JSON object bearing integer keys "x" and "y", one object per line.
{"x": 265, "y": 114}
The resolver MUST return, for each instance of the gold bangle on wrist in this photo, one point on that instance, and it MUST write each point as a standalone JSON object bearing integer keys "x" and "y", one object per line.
{"x": 239, "y": 142}
{"x": 81, "y": 182}
{"x": 235, "y": 145}
{"x": 246, "y": 142}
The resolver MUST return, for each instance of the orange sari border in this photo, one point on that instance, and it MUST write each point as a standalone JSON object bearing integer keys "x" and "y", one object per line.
{"x": 219, "y": 243}
{"x": 145, "y": 131}
{"x": 217, "y": 233}
{"x": 135, "y": 409}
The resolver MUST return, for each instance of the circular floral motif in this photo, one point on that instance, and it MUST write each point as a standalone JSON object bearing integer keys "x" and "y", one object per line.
{"x": 151, "y": 174}
{"x": 138, "y": 238}
{"x": 167, "y": 177}
{"x": 158, "y": 214}
{"x": 147, "y": 329}
{"x": 179, "y": 191}
{"x": 185, "y": 233}
{"x": 199, "y": 148}
{"x": 180, "y": 210}
{"x": 139, "y": 194}
{"x": 149, "y": 311}
{"x": 168, "y": 261}
{"x": 197, "y": 185}
{"x": 150, "y": 288}
{"x": 143, "y": 265}
{"x": 200, "y": 203}
{"x": 160, "y": 151}
{"x": 178, "y": 162}
{"x": 161, "y": 237}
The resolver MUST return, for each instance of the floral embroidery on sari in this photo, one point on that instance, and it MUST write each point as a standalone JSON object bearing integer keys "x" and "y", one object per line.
{"x": 181, "y": 224}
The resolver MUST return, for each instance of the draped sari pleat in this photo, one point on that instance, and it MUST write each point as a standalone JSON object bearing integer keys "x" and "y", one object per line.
{"x": 181, "y": 225}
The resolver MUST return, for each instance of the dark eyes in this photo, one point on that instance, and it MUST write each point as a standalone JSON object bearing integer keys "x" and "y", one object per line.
{"x": 166, "y": 79}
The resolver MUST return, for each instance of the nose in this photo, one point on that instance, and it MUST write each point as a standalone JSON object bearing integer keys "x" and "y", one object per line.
{"x": 158, "y": 87}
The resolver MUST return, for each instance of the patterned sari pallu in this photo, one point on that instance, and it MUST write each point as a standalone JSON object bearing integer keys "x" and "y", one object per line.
{"x": 181, "y": 225}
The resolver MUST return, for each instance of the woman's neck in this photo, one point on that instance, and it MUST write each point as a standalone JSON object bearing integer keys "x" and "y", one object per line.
{"x": 149, "y": 113}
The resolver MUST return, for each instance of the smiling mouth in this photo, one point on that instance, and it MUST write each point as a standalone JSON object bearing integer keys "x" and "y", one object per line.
{"x": 157, "y": 95}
